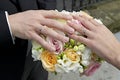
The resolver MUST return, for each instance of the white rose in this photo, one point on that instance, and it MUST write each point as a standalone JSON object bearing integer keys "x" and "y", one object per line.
{"x": 74, "y": 66}
{"x": 35, "y": 55}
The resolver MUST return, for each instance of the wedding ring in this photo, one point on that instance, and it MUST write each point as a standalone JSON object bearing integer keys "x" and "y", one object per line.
{"x": 84, "y": 33}
{"x": 42, "y": 29}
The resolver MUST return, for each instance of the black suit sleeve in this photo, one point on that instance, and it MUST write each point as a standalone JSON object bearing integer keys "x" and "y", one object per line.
{"x": 5, "y": 36}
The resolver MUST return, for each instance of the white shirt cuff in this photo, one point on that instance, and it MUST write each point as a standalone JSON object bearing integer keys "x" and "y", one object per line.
{"x": 13, "y": 38}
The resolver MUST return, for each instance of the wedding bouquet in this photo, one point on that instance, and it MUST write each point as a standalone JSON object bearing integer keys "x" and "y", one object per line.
{"x": 71, "y": 56}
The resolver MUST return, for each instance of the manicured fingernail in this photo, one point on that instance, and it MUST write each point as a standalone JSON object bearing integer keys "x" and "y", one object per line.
{"x": 52, "y": 49}
{"x": 66, "y": 39}
{"x": 71, "y": 31}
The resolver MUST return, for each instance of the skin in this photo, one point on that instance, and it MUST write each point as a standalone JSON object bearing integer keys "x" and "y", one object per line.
{"x": 99, "y": 38}
{"x": 33, "y": 23}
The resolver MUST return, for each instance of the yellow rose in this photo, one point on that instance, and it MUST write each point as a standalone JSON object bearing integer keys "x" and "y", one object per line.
{"x": 49, "y": 60}
{"x": 72, "y": 55}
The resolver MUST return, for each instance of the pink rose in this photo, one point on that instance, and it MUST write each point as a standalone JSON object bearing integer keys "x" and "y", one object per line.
{"x": 56, "y": 43}
{"x": 92, "y": 68}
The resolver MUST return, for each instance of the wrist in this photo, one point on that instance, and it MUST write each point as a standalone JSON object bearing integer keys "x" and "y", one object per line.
{"x": 117, "y": 58}
{"x": 112, "y": 54}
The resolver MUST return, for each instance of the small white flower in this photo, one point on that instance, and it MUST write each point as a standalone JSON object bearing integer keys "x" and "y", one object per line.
{"x": 98, "y": 20}
{"x": 79, "y": 52}
{"x": 86, "y": 54}
{"x": 86, "y": 57}
{"x": 81, "y": 48}
{"x": 85, "y": 62}
{"x": 81, "y": 70}
{"x": 74, "y": 66}
{"x": 35, "y": 55}
{"x": 75, "y": 13}
{"x": 65, "y": 12}
{"x": 60, "y": 69}
{"x": 67, "y": 63}
{"x": 64, "y": 62}
{"x": 35, "y": 45}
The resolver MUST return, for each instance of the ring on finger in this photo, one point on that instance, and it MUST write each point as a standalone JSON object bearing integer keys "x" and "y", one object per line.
{"x": 84, "y": 32}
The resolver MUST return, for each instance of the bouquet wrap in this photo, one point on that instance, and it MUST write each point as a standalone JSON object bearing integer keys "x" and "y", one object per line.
{"x": 71, "y": 56}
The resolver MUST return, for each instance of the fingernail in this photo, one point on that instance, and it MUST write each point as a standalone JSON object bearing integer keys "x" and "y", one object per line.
{"x": 71, "y": 30}
{"x": 52, "y": 49}
{"x": 66, "y": 39}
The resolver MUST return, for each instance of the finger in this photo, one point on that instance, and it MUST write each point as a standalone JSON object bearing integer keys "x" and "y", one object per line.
{"x": 85, "y": 22}
{"x": 55, "y": 14}
{"x": 57, "y": 25}
{"x": 97, "y": 22}
{"x": 80, "y": 28}
{"x": 79, "y": 38}
{"x": 42, "y": 42}
{"x": 52, "y": 33}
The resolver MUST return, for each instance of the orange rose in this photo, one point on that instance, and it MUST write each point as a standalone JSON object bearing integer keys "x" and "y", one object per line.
{"x": 49, "y": 60}
{"x": 72, "y": 55}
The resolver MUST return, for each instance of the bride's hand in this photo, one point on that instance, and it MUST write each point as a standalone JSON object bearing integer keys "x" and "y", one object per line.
{"x": 99, "y": 38}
